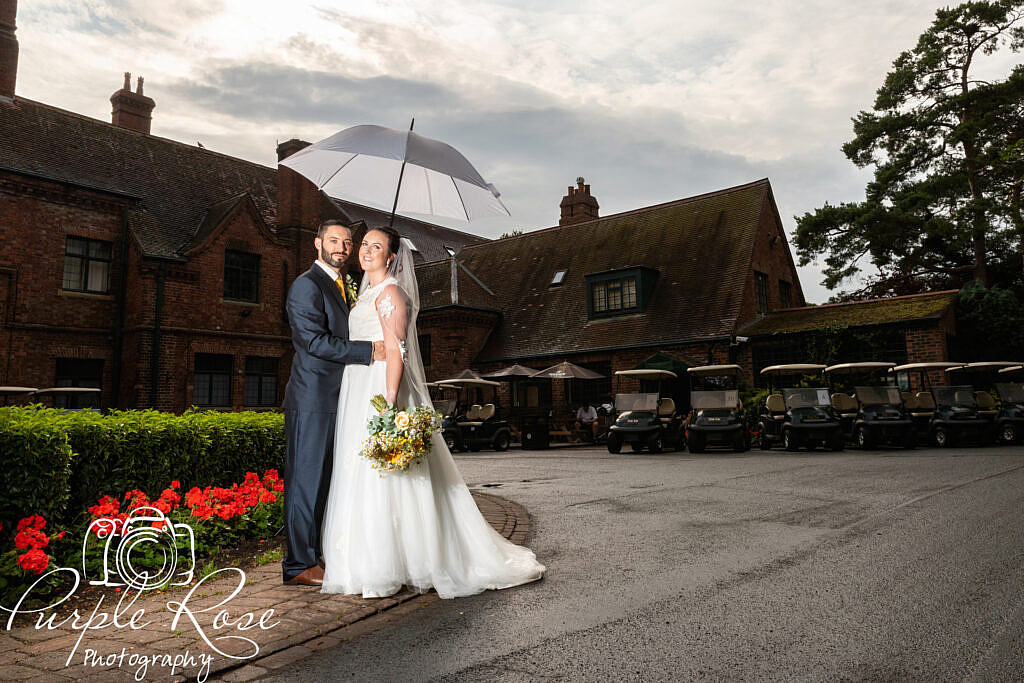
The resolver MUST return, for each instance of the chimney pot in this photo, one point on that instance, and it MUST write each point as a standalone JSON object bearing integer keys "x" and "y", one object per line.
{"x": 127, "y": 81}
{"x": 138, "y": 87}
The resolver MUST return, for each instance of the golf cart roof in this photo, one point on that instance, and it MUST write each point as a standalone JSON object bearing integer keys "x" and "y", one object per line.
{"x": 13, "y": 391}
{"x": 456, "y": 383}
{"x": 988, "y": 365}
{"x": 1012, "y": 368}
{"x": 69, "y": 390}
{"x": 705, "y": 370}
{"x": 925, "y": 366}
{"x": 854, "y": 367}
{"x": 792, "y": 368}
{"x": 650, "y": 374}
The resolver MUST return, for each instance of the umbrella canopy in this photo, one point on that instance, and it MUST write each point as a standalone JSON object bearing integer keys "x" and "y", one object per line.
{"x": 511, "y": 372}
{"x": 566, "y": 370}
{"x": 397, "y": 171}
{"x": 465, "y": 374}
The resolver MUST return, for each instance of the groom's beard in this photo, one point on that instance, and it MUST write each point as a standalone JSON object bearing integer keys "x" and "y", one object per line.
{"x": 335, "y": 260}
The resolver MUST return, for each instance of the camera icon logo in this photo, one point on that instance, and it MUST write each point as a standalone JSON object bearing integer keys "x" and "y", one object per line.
{"x": 143, "y": 552}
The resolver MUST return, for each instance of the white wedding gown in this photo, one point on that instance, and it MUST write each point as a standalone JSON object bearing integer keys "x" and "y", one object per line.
{"x": 421, "y": 528}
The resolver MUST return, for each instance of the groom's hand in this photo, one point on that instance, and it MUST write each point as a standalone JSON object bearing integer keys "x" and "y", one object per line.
{"x": 378, "y": 351}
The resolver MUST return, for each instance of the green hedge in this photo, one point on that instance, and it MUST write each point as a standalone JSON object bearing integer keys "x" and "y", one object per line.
{"x": 123, "y": 450}
{"x": 35, "y": 466}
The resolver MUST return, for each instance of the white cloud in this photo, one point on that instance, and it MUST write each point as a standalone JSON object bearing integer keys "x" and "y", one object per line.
{"x": 651, "y": 101}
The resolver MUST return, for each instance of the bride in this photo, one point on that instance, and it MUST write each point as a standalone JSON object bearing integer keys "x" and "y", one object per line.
{"x": 421, "y": 528}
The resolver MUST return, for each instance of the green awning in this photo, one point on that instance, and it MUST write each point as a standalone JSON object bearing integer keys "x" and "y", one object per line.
{"x": 661, "y": 361}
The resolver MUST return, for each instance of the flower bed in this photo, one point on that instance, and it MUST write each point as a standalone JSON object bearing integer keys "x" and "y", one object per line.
{"x": 217, "y": 517}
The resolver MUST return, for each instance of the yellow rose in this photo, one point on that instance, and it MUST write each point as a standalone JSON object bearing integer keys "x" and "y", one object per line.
{"x": 402, "y": 420}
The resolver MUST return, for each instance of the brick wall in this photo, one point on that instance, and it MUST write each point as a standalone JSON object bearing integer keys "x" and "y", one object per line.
{"x": 773, "y": 259}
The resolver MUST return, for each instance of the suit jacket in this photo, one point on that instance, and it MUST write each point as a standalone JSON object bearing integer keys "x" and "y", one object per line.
{"x": 319, "y": 320}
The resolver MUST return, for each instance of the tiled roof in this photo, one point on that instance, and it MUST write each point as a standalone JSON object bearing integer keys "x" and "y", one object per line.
{"x": 175, "y": 183}
{"x": 701, "y": 246}
{"x": 900, "y": 309}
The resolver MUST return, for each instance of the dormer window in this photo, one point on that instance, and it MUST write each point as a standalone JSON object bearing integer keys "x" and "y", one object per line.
{"x": 620, "y": 292}
{"x": 451, "y": 252}
{"x": 558, "y": 278}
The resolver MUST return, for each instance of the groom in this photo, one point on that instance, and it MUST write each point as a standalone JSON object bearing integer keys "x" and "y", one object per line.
{"x": 318, "y": 312}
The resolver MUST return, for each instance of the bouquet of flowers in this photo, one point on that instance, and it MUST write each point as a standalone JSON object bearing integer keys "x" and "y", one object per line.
{"x": 399, "y": 438}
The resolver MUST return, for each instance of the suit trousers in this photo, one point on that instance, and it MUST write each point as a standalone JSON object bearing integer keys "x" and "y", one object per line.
{"x": 307, "y": 476}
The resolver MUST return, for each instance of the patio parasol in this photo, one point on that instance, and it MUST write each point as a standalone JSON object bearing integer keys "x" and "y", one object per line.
{"x": 398, "y": 170}
{"x": 566, "y": 370}
{"x": 512, "y": 372}
{"x": 465, "y": 374}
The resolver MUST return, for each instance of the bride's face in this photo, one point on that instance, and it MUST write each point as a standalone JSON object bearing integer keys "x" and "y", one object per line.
{"x": 373, "y": 253}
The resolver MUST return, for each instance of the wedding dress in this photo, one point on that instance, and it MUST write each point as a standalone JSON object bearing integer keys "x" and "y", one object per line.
{"x": 420, "y": 528}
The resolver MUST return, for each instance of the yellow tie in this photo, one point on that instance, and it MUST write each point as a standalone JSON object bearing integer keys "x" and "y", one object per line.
{"x": 341, "y": 288}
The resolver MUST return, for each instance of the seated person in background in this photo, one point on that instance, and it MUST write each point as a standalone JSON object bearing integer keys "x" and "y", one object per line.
{"x": 586, "y": 418}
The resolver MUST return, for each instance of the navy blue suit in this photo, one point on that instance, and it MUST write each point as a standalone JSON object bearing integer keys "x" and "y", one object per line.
{"x": 319, "y": 320}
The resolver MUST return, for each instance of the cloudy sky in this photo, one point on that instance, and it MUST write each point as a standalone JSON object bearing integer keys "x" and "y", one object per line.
{"x": 650, "y": 101}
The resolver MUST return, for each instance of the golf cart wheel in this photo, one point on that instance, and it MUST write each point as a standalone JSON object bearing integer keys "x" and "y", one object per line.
{"x": 474, "y": 447}
{"x": 614, "y": 443}
{"x": 762, "y": 438}
{"x": 739, "y": 444}
{"x": 637, "y": 446}
{"x": 696, "y": 443}
{"x": 788, "y": 440}
{"x": 655, "y": 444}
{"x": 942, "y": 437}
{"x": 1008, "y": 434}
{"x": 502, "y": 441}
{"x": 863, "y": 440}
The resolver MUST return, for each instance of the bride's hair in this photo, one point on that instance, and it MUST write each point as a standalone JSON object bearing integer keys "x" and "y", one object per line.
{"x": 394, "y": 239}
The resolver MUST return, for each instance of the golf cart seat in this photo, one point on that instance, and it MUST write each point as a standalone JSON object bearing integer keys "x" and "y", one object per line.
{"x": 473, "y": 416}
{"x": 666, "y": 409}
{"x": 487, "y": 412}
{"x": 844, "y": 404}
{"x": 986, "y": 404}
{"x": 776, "y": 405}
{"x": 925, "y": 404}
{"x": 909, "y": 400}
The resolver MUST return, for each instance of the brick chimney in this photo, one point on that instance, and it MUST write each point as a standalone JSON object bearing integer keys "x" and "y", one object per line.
{"x": 8, "y": 48}
{"x": 132, "y": 110}
{"x": 299, "y": 205}
{"x": 578, "y": 205}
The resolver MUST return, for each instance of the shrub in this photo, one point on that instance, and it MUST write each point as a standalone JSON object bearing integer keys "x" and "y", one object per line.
{"x": 37, "y": 464}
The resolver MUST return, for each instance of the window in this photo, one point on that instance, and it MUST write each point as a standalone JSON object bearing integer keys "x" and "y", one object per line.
{"x": 785, "y": 294}
{"x": 558, "y": 278}
{"x": 619, "y": 291}
{"x": 241, "y": 276}
{"x": 86, "y": 265}
{"x": 260, "y": 381}
{"x": 424, "y": 342}
{"x": 213, "y": 380}
{"x": 78, "y": 372}
{"x": 614, "y": 295}
{"x": 761, "y": 292}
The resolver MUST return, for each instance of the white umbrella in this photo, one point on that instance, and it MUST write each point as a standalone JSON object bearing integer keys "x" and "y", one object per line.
{"x": 567, "y": 370}
{"x": 397, "y": 171}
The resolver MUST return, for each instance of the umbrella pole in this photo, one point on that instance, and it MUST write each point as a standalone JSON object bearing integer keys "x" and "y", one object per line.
{"x": 394, "y": 207}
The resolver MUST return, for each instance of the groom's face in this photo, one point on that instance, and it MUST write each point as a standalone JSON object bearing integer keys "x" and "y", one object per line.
{"x": 335, "y": 246}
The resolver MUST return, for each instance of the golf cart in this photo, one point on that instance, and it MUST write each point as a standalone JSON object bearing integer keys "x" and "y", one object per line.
{"x": 873, "y": 413}
{"x": 474, "y": 427}
{"x": 798, "y": 416}
{"x": 1011, "y": 403}
{"x": 716, "y": 415}
{"x": 644, "y": 419}
{"x": 945, "y": 414}
{"x": 1006, "y": 416}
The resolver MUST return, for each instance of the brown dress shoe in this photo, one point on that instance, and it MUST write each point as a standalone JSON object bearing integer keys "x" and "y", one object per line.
{"x": 314, "y": 576}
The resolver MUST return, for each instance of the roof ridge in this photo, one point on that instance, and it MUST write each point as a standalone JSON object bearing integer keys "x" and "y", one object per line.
{"x": 867, "y": 301}
{"x": 674, "y": 202}
{"x": 151, "y": 136}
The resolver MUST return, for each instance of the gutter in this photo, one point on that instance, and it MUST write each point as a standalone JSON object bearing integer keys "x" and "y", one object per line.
{"x": 122, "y": 291}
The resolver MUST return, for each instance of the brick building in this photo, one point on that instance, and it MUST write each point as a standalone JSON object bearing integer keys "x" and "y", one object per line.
{"x": 154, "y": 270}
{"x": 672, "y": 283}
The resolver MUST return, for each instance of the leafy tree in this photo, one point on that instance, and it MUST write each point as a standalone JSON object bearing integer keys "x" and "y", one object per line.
{"x": 990, "y": 325}
{"x": 946, "y": 146}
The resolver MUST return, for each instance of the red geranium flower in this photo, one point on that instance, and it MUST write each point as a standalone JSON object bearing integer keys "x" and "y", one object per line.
{"x": 34, "y": 560}
{"x": 175, "y": 484}
{"x": 31, "y": 538}
{"x": 35, "y": 522}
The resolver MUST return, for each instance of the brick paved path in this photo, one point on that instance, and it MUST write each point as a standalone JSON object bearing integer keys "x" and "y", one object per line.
{"x": 306, "y": 621}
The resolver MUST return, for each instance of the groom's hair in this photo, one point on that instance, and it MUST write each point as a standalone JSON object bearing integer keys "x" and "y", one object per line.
{"x": 328, "y": 223}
